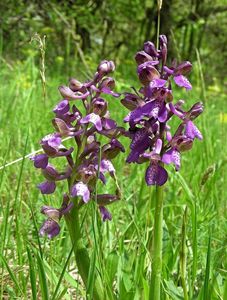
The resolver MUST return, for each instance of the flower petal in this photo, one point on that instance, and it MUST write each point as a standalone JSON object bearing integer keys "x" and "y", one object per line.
{"x": 81, "y": 189}
{"x": 49, "y": 228}
{"x": 93, "y": 118}
{"x": 40, "y": 161}
{"x": 106, "y": 215}
{"x": 182, "y": 81}
{"x": 172, "y": 156}
{"x": 47, "y": 187}
{"x": 192, "y": 131}
{"x": 156, "y": 174}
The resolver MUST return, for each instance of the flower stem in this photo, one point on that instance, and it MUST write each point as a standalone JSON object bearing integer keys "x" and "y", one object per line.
{"x": 155, "y": 286}
{"x": 80, "y": 252}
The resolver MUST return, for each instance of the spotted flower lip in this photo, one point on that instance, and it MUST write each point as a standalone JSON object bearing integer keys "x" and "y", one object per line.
{"x": 81, "y": 189}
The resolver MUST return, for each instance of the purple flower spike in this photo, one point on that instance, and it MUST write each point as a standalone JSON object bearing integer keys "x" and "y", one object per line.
{"x": 156, "y": 174}
{"x": 182, "y": 81}
{"x": 93, "y": 118}
{"x": 49, "y": 228}
{"x": 47, "y": 187}
{"x": 152, "y": 107}
{"x": 40, "y": 161}
{"x": 106, "y": 215}
{"x": 81, "y": 189}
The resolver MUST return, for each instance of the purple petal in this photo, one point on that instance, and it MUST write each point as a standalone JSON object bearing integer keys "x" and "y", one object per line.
{"x": 68, "y": 94}
{"x": 49, "y": 228}
{"x": 182, "y": 81}
{"x": 106, "y": 215}
{"x": 47, "y": 187}
{"x": 62, "y": 107}
{"x": 93, "y": 118}
{"x": 106, "y": 166}
{"x": 158, "y": 146}
{"x": 40, "y": 161}
{"x": 172, "y": 156}
{"x": 108, "y": 91}
{"x": 175, "y": 111}
{"x": 156, "y": 174}
{"x": 149, "y": 109}
{"x": 51, "y": 143}
{"x": 108, "y": 124}
{"x": 140, "y": 142}
{"x": 162, "y": 114}
{"x": 81, "y": 189}
{"x": 157, "y": 83}
{"x": 192, "y": 131}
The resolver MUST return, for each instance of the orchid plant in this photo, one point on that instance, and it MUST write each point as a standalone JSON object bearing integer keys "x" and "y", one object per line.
{"x": 151, "y": 109}
{"x": 86, "y": 164}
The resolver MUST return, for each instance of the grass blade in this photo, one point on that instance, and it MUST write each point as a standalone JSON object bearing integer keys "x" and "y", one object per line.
{"x": 42, "y": 278}
{"x": 32, "y": 274}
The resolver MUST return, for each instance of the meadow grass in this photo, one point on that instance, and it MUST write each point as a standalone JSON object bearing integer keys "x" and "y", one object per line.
{"x": 194, "y": 243}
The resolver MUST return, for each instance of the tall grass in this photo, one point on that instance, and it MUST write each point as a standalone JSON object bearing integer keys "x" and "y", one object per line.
{"x": 194, "y": 247}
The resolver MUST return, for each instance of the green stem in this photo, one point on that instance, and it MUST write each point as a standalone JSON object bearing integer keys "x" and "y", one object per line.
{"x": 155, "y": 286}
{"x": 183, "y": 256}
{"x": 80, "y": 252}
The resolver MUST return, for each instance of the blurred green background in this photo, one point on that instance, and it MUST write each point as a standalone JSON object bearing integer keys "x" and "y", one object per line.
{"x": 115, "y": 29}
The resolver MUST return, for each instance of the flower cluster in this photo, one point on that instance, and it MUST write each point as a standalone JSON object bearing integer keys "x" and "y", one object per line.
{"x": 90, "y": 161}
{"x": 152, "y": 107}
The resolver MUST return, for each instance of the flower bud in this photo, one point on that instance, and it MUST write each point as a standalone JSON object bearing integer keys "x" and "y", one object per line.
{"x": 141, "y": 57}
{"x": 51, "y": 143}
{"x": 107, "y": 82}
{"x": 183, "y": 143}
{"x": 195, "y": 111}
{"x": 75, "y": 85}
{"x": 150, "y": 49}
{"x": 183, "y": 68}
{"x": 162, "y": 39}
{"x": 51, "y": 212}
{"x": 130, "y": 101}
{"x": 106, "y": 67}
{"x": 62, "y": 107}
{"x": 147, "y": 73}
{"x": 68, "y": 94}
{"x": 99, "y": 106}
